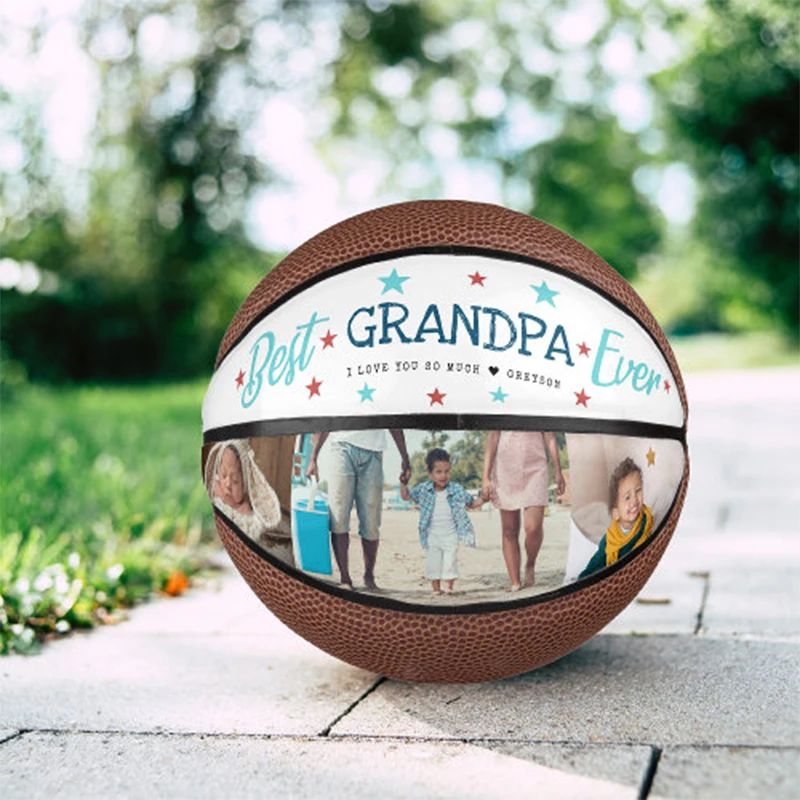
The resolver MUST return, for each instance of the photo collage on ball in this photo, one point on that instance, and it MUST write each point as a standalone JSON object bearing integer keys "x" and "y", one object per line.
{"x": 436, "y": 517}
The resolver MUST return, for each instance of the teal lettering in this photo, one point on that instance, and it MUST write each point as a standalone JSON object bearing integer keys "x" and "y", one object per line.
{"x": 603, "y": 348}
{"x": 619, "y": 378}
{"x": 525, "y": 335}
{"x": 254, "y": 381}
{"x": 653, "y": 382}
{"x": 640, "y": 378}
{"x": 559, "y": 335}
{"x": 643, "y": 378}
{"x": 280, "y": 363}
{"x": 431, "y": 311}
{"x": 369, "y": 340}
{"x": 473, "y": 330}
{"x": 387, "y": 324}
{"x": 303, "y": 358}
{"x": 494, "y": 313}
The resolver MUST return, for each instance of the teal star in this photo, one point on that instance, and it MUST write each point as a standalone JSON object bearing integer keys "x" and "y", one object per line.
{"x": 499, "y": 396}
{"x": 366, "y": 393}
{"x": 393, "y": 281}
{"x": 544, "y": 294}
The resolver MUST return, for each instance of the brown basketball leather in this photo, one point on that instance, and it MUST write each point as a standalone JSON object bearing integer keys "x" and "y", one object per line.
{"x": 457, "y": 647}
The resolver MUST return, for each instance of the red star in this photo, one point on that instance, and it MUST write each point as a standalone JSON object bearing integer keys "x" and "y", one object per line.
{"x": 583, "y": 349}
{"x": 313, "y": 388}
{"x": 477, "y": 279}
{"x": 240, "y": 379}
{"x": 666, "y": 387}
{"x": 437, "y": 397}
{"x": 327, "y": 340}
{"x": 582, "y": 398}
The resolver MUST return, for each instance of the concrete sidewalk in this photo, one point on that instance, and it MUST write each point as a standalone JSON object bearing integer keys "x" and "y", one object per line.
{"x": 210, "y": 696}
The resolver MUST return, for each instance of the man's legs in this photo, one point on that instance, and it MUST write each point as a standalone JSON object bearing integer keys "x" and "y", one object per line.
{"x": 370, "y": 548}
{"x": 369, "y": 502}
{"x": 341, "y": 492}
{"x": 341, "y": 544}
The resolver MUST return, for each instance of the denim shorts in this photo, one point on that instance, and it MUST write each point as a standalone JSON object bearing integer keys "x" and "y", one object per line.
{"x": 356, "y": 476}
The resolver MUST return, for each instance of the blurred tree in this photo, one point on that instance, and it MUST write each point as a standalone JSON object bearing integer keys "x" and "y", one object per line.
{"x": 152, "y": 269}
{"x": 466, "y": 459}
{"x": 586, "y": 188}
{"x": 543, "y": 106}
{"x": 734, "y": 106}
{"x": 486, "y": 93}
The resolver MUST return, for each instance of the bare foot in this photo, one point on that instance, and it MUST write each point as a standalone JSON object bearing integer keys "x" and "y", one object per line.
{"x": 515, "y": 587}
{"x": 369, "y": 582}
{"x": 436, "y": 592}
{"x": 346, "y": 583}
{"x": 530, "y": 576}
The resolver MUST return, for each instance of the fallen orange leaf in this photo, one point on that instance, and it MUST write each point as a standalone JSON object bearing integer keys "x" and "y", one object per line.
{"x": 177, "y": 583}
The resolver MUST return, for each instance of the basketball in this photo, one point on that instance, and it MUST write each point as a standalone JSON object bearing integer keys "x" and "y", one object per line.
{"x": 445, "y": 442}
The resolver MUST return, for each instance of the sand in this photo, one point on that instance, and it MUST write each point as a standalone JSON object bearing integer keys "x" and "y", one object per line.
{"x": 483, "y": 577}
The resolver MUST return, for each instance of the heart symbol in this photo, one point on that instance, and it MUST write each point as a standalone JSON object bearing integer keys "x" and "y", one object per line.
{"x": 494, "y": 370}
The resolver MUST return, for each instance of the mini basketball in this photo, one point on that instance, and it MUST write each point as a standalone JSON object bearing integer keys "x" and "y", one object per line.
{"x": 445, "y": 441}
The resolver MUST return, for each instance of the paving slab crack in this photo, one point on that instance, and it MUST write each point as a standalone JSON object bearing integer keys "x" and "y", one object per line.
{"x": 650, "y": 773}
{"x": 326, "y": 731}
{"x": 705, "y": 576}
{"x": 402, "y": 739}
{"x": 10, "y": 736}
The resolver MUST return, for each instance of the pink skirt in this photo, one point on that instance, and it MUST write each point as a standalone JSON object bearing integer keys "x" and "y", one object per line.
{"x": 519, "y": 476}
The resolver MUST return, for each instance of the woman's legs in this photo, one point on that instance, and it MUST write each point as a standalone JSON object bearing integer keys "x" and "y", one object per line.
{"x": 510, "y": 523}
{"x": 533, "y": 520}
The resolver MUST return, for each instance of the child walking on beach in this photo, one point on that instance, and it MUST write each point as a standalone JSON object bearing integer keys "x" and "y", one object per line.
{"x": 631, "y": 519}
{"x": 443, "y": 520}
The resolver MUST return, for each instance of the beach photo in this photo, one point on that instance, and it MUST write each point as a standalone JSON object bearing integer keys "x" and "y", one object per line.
{"x": 443, "y": 517}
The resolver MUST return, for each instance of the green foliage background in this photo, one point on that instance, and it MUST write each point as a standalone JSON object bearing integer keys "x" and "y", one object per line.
{"x": 146, "y": 243}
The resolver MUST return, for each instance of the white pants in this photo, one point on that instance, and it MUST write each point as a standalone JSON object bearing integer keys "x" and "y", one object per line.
{"x": 441, "y": 557}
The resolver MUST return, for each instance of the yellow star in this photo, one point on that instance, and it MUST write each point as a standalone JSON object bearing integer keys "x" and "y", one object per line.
{"x": 651, "y": 457}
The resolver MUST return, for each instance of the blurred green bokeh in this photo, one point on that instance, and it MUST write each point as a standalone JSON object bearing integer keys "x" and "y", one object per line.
{"x": 661, "y": 134}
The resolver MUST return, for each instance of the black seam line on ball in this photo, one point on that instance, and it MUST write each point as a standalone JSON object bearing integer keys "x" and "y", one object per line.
{"x": 447, "y": 422}
{"x": 460, "y": 250}
{"x": 485, "y": 607}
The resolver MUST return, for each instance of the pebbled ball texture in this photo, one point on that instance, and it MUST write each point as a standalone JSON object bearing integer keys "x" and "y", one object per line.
{"x": 447, "y": 647}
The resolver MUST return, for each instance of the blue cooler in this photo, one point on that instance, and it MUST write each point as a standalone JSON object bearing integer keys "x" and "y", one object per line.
{"x": 310, "y": 534}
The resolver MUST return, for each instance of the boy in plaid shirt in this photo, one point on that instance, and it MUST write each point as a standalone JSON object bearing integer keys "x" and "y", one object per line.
{"x": 443, "y": 520}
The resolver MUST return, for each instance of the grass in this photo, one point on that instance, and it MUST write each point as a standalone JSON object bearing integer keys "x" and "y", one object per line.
{"x": 716, "y": 351}
{"x": 102, "y": 504}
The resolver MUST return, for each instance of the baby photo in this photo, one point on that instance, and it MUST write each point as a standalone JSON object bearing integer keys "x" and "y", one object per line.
{"x": 622, "y": 489}
{"x": 236, "y": 481}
